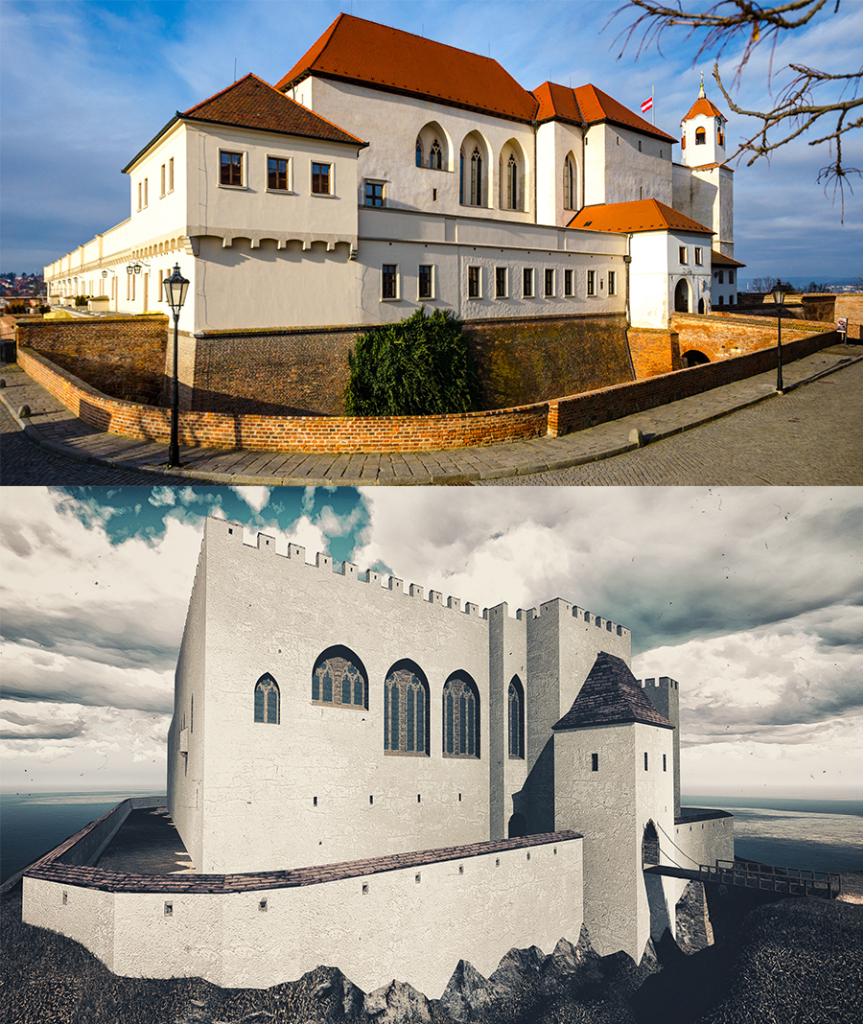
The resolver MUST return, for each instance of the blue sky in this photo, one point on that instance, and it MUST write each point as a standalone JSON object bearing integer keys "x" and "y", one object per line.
{"x": 751, "y": 598}
{"x": 85, "y": 84}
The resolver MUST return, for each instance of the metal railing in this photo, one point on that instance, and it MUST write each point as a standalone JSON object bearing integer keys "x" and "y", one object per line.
{"x": 793, "y": 881}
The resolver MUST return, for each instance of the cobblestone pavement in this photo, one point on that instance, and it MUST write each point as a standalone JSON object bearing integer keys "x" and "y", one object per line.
{"x": 24, "y": 463}
{"x": 810, "y": 436}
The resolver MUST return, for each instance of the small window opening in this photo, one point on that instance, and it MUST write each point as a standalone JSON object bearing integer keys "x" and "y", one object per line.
{"x": 419, "y": 798}
{"x": 371, "y": 799}
{"x": 663, "y": 762}
{"x": 169, "y": 909}
{"x": 65, "y": 898}
{"x": 594, "y": 762}
{"x": 459, "y": 798}
{"x": 461, "y": 869}
{"x": 497, "y": 862}
{"x": 528, "y": 856}
{"x": 417, "y": 878}
{"x": 365, "y": 889}
{"x": 262, "y": 905}
{"x": 645, "y": 760}
{"x": 314, "y": 801}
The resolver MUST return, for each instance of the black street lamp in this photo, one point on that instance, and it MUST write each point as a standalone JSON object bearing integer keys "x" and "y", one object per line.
{"x": 778, "y": 299}
{"x": 176, "y": 287}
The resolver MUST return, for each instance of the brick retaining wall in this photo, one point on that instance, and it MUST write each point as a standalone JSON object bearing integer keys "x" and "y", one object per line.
{"x": 121, "y": 356}
{"x": 579, "y": 411}
{"x": 726, "y": 336}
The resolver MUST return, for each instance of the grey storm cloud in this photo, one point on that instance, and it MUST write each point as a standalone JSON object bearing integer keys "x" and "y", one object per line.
{"x": 45, "y": 732}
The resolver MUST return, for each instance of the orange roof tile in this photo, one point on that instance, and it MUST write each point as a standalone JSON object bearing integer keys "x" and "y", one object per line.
{"x": 357, "y": 50}
{"x": 589, "y": 105}
{"x": 704, "y": 106}
{"x": 639, "y": 215}
{"x": 719, "y": 259}
{"x": 253, "y": 103}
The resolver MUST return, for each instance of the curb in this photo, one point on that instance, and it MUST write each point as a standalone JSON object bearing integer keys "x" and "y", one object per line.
{"x": 455, "y": 478}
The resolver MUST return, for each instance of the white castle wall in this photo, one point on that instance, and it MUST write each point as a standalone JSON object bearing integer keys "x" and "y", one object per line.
{"x": 612, "y": 807}
{"x": 411, "y": 923}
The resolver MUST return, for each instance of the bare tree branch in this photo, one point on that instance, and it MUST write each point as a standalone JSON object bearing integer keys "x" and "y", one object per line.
{"x": 797, "y": 109}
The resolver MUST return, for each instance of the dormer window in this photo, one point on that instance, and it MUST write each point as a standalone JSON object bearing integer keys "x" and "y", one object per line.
{"x": 700, "y": 137}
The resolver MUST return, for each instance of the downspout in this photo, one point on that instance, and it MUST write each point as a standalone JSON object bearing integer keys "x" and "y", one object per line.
{"x": 627, "y": 262}
{"x": 535, "y": 127}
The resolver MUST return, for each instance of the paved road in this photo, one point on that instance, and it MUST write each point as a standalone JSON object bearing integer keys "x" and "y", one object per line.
{"x": 24, "y": 463}
{"x": 810, "y": 436}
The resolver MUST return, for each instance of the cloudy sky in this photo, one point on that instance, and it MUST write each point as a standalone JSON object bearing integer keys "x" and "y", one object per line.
{"x": 86, "y": 84}
{"x": 752, "y": 599}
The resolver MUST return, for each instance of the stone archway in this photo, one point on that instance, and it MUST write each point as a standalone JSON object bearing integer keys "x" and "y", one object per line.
{"x": 681, "y": 297}
{"x": 694, "y": 358}
{"x": 517, "y": 826}
{"x": 650, "y": 846}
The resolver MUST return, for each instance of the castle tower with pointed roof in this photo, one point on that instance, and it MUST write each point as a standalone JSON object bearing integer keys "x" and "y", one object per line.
{"x": 614, "y": 775}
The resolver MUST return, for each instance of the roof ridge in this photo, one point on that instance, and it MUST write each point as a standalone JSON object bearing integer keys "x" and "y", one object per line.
{"x": 216, "y": 95}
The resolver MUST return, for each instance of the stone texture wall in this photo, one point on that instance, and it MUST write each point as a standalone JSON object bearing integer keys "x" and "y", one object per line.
{"x": 851, "y": 307}
{"x": 654, "y": 351}
{"x": 525, "y": 361}
{"x": 124, "y": 357}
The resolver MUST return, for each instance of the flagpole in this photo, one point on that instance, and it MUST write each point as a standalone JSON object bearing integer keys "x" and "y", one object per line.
{"x": 653, "y": 106}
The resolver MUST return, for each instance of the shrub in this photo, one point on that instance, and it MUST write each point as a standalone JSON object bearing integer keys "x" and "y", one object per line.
{"x": 81, "y": 300}
{"x": 15, "y": 307}
{"x": 418, "y": 367}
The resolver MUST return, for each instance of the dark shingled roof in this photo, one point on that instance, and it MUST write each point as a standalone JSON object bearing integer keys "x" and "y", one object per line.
{"x": 611, "y": 696}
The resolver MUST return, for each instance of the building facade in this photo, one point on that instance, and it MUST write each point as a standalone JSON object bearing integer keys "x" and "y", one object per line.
{"x": 449, "y": 185}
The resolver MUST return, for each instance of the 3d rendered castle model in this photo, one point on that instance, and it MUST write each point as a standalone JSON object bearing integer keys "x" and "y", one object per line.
{"x": 386, "y": 171}
{"x": 386, "y": 782}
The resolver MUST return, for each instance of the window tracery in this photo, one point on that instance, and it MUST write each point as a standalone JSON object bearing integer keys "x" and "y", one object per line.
{"x": 516, "y": 718}
{"x": 339, "y": 678}
{"x": 405, "y": 710}
{"x": 460, "y": 718}
{"x": 267, "y": 700}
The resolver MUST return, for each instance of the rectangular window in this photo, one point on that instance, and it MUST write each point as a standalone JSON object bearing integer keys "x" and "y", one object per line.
{"x": 321, "y": 179}
{"x": 527, "y": 282}
{"x": 473, "y": 282}
{"x": 231, "y": 169}
{"x": 500, "y": 282}
{"x": 682, "y": 252}
{"x": 731, "y": 277}
{"x": 664, "y": 766}
{"x": 639, "y": 147}
{"x": 722, "y": 277}
{"x": 698, "y": 259}
{"x": 549, "y": 283}
{"x": 645, "y": 760}
{"x": 162, "y": 182}
{"x": 389, "y": 281}
{"x": 171, "y": 175}
{"x": 567, "y": 283}
{"x": 612, "y": 283}
{"x": 146, "y": 192}
{"x": 140, "y": 194}
{"x": 374, "y": 194}
{"x": 594, "y": 762}
{"x": 591, "y": 282}
{"x": 277, "y": 174}
{"x": 425, "y": 283}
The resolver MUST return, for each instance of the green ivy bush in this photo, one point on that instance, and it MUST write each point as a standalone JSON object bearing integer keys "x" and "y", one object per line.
{"x": 81, "y": 300}
{"x": 418, "y": 367}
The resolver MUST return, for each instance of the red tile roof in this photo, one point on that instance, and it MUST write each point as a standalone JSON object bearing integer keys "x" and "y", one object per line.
{"x": 356, "y": 50}
{"x": 718, "y": 259}
{"x": 611, "y": 696}
{"x": 253, "y": 103}
{"x": 640, "y": 215}
{"x": 597, "y": 106}
{"x": 557, "y": 102}
{"x": 704, "y": 106}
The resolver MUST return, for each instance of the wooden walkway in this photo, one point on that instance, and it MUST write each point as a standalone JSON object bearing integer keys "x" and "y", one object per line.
{"x": 792, "y": 881}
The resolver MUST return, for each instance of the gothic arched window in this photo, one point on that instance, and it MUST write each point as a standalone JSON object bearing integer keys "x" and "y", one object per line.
{"x": 436, "y": 156}
{"x": 340, "y": 678}
{"x": 476, "y": 178}
{"x": 406, "y": 701}
{"x": 568, "y": 184}
{"x": 460, "y": 717}
{"x": 511, "y": 183}
{"x": 267, "y": 700}
{"x": 419, "y": 153}
{"x": 516, "y": 718}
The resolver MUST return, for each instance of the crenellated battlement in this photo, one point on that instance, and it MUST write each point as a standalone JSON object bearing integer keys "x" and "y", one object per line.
{"x": 297, "y": 553}
{"x": 663, "y": 683}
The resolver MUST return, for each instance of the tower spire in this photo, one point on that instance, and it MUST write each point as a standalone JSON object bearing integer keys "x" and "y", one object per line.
{"x": 701, "y": 93}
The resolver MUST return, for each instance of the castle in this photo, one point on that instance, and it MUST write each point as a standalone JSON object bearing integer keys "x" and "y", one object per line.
{"x": 385, "y": 781}
{"x": 386, "y": 171}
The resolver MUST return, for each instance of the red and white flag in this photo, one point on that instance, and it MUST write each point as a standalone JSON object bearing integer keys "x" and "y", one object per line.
{"x": 647, "y": 105}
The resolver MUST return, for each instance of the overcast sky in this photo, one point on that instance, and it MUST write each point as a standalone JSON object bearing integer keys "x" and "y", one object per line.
{"x": 86, "y": 84}
{"x": 752, "y": 599}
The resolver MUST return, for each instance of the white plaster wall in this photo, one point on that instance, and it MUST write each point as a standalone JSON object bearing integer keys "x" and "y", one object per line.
{"x": 710, "y": 152}
{"x": 695, "y": 843}
{"x": 391, "y": 123}
{"x": 163, "y": 214}
{"x": 631, "y": 175}
{"x": 611, "y": 808}
{"x": 87, "y": 916}
{"x": 649, "y": 300}
{"x": 186, "y": 774}
{"x": 595, "y": 184}
{"x": 413, "y": 924}
{"x": 554, "y": 141}
{"x": 262, "y": 780}
{"x": 241, "y": 286}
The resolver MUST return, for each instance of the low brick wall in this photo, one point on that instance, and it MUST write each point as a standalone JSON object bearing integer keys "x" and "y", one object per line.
{"x": 726, "y": 336}
{"x": 579, "y": 411}
{"x": 121, "y": 356}
{"x": 286, "y": 433}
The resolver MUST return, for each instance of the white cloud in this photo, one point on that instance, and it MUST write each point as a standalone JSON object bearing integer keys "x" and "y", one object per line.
{"x": 255, "y": 497}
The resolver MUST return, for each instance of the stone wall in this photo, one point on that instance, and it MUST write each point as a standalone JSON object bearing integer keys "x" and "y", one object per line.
{"x": 525, "y": 361}
{"x": 121, "y": 356}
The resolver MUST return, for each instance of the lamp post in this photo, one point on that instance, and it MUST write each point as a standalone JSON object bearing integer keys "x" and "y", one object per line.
{"x": 176, "y": 287}
{"x": 778, "y": 299}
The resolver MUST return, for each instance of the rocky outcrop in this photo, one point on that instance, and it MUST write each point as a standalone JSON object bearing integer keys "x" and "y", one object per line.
{"x": 694, "y": 930}
{"x": 397, "y": 1003}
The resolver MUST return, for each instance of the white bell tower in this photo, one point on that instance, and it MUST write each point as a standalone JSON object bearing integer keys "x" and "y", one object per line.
{"x": 702, "y": 133}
